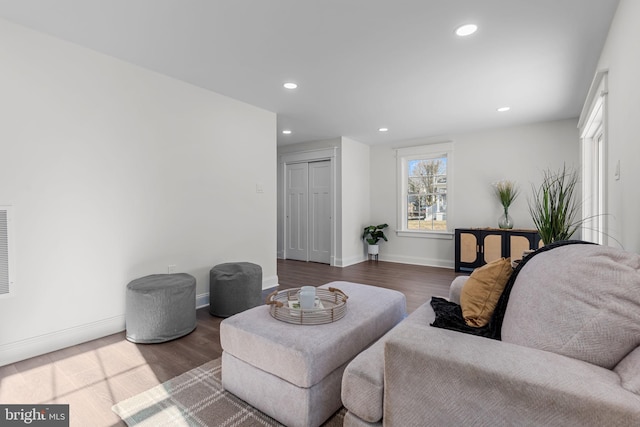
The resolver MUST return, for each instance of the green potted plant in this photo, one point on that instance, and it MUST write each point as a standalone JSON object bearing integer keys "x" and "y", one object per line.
{"x": 553, "y": 207}
{"x": 372, "y": 235}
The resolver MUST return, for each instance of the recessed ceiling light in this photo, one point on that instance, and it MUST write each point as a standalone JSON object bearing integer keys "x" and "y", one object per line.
{"x": 466, "y": 30}
{"x": 383, "y": 129}
{"x": 290, "y": 85}
{"x": 286, "y": 132}
{"x": 503, "y": 109}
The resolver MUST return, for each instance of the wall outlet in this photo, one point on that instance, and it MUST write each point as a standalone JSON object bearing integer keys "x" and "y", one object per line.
{"x": 171, "y": 269}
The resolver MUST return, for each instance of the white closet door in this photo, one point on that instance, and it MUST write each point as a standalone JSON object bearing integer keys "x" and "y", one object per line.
{"x": 297, "y": 222}
{"x": 320, "y": 211}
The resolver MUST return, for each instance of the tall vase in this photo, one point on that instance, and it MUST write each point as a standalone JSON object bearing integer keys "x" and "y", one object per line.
{"x": 505, "y": 221}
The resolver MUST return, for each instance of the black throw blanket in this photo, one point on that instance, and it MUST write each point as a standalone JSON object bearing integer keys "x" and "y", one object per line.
{"x": 449, "y": 314}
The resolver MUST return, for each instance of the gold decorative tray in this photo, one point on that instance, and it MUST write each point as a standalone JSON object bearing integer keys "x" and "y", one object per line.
{"x": 331, "y": 305}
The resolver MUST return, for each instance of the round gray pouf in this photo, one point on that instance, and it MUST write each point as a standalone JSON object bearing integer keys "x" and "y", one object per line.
{"x": 160, "y": 307}
{"x": 234, "y": 287}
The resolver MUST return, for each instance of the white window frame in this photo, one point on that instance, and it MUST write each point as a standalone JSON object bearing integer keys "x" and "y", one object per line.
{"x": 593, "y": 146}
{"x": 403, "y": 156}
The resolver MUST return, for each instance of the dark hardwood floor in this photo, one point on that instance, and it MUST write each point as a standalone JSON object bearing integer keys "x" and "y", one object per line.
{"x": 417, "y": 282}
{"x": 93, "y": 376}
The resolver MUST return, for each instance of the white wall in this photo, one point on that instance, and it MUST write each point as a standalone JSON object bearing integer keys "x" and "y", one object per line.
{"x": 620, "y": 56}
{"x": 116, "y": 172}
{"x": 479, "y": 159}
{"x": 355, "y": 200}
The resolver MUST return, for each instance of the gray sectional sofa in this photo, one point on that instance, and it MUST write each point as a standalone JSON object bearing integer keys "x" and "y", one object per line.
{"x": 569, "y": 354}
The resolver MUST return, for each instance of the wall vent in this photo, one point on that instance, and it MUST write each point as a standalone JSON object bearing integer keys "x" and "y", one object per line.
{"x": 5, "y": 276}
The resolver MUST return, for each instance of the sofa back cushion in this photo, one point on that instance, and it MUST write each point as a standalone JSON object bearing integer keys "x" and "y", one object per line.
{"x": 581, "y": 301}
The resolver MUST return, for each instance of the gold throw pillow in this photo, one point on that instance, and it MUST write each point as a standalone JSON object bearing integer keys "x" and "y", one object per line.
{"x": 482, "y": 290}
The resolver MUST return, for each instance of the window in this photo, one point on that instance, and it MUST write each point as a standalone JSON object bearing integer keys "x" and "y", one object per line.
{"x": 593, "y": 141}
{"x": 424, "y": 190}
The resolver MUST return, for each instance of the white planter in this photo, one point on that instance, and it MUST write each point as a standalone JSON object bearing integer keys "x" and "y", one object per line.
{"x": 373, "y": 249}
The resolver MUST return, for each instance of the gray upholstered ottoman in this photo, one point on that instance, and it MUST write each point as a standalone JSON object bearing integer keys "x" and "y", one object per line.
{"x": 160, "y": 307}
{"x": 234, "y": 287}
{"x": 293, "y": 372}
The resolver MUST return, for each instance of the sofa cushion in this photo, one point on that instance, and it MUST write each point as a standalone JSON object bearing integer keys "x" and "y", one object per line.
{"x": 629, "y": 371}
{"x": 482, "y": 290}
{"x": 456, "y": 288}
{"x": 363, "y": 379}
{"x": 581, "y": 301}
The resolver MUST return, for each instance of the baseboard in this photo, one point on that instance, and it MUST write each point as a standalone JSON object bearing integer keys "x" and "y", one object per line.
{"x": 346, "y": 262}
{"x": 35, "y": 346}
{"x": 202, "y": 300}
{"x": 427, "y": 262}
{"x": 269, "y": 282}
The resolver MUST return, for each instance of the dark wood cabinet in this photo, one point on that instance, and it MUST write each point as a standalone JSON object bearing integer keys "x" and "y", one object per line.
{"x": 476, "y": 247}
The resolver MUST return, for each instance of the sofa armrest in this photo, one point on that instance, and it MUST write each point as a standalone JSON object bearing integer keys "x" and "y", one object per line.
{"x": 440, "y": 377}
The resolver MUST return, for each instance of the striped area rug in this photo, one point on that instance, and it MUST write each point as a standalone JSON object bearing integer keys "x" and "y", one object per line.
{"x": 196, "y": 398}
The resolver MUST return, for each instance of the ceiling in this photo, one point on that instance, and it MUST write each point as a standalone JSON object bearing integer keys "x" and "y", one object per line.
{"x": 359, "y": 64}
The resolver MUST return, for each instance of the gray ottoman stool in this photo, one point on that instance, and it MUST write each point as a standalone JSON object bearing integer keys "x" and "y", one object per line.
{"x": 234, "y": 287}
{"x": 160, "y": 307}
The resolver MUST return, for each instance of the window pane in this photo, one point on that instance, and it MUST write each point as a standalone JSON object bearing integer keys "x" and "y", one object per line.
{"x": 427, "y": 194}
